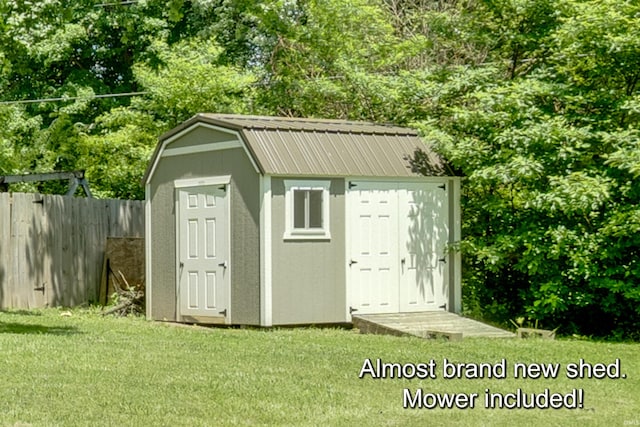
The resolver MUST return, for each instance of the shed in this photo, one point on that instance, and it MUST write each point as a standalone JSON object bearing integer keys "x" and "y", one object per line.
{"x": 266, "y": 221}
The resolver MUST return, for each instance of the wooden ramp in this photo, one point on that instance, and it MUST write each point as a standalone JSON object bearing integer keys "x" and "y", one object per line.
{"x": 429, "y": 324}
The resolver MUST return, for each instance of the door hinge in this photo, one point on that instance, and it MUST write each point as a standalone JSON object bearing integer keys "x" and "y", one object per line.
{"x": 351, "y": 262}
{"x": 443, "y": 186}
{"x": 223, "y": 264}
{"x": 224, "y": 312}
{"x": 352, "y": 184}
{"x": 443, "y": 259}
{"x": 223, "y": 188}
{"x": 40, "y": 288}
{"x": 351, "y": 310}
{"x": 443, "y": 306}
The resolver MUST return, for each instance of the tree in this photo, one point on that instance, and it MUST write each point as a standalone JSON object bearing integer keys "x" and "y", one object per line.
{"x": 535, "y": 102}
{"x": 551, "y": 192}
{"x": 117, "y": 146}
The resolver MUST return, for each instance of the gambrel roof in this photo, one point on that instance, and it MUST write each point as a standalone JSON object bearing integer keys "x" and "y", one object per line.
{"x": 317, "y": 147}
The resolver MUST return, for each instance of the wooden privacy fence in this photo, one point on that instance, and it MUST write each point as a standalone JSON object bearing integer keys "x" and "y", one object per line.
{"x": 52, "y": 247}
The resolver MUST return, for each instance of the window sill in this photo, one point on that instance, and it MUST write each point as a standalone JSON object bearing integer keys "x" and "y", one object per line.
{"x": 307, "y": 235}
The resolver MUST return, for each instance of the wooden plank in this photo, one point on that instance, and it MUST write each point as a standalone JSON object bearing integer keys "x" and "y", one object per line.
{"x": 94, "y": 246}
{"x": 22, "y": 274}
{"x": 79, "y": 228}
{"x": 48, "y": 239}
{"x": 5, "y": 249}
{"x": 368, "y": 326}
{"x": 57, "y": 246}
{"x": 126, "y": 218}
{"x": 35, "y": 249}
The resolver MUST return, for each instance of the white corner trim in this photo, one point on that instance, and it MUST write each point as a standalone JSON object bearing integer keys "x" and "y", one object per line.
{"x": 229, "y": 195}
{"x": 457, "y": 237}
{"x": 198, "y": 182}
{"x": 348, "y": 197}
{"x": 266, "y": 273}
{"x": 147, "y": 250}
{"x": 176, "y": 209}
{"x": 202, "y": 148}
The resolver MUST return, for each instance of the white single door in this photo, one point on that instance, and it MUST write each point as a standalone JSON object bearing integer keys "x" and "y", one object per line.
{"x": 373, "y": 266}
{"x": 423, "y": 232}
{"x": 203, "y": 228}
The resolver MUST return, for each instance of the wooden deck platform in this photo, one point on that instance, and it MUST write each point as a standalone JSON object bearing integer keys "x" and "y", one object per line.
{"x": 431, "y": 324}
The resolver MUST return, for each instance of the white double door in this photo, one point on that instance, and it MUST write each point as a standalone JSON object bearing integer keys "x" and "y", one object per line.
{"x": 398, "y": 234}
{"x": 203, "y": 251}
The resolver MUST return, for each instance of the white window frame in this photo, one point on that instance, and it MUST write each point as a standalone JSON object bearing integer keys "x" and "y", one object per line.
{"x": 291, "y": 233}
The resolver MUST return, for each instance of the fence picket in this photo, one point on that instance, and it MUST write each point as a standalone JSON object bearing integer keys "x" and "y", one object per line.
{"x": 59, "y": 244}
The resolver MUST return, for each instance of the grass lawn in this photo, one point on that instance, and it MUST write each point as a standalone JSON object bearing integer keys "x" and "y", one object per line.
{"x": 90, "y": 370}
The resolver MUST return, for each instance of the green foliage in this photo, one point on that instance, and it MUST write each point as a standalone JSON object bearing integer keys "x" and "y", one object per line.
{"x": 535, "y": 102}
{"x": 17, "y": 138}
{"x": 551, "y": 164}
{"x": 190, "y": 80}
{"x": 76, "y": 50}
{"x": 321, "y": 58}
{"x": 116, "y": 152}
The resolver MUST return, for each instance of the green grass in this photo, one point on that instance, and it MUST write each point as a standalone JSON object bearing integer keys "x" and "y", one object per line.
{"x": 89, "y": 370}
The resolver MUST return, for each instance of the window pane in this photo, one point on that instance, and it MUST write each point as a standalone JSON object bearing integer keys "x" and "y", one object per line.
{"x": 315, "y": 209}
{"x": 298, "y": 208}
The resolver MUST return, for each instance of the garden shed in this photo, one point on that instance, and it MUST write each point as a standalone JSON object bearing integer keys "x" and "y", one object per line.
{"x": 279, "y": 221}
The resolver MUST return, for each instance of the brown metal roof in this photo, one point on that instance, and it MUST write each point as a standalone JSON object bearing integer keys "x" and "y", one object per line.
{"x": 317, "y": 147}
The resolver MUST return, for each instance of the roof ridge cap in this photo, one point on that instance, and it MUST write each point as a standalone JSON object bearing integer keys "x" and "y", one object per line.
{"x": 315, "y": 124}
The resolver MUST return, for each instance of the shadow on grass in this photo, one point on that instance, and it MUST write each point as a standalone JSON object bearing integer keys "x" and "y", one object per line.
{"x": 21, "y": 312}
{"x": 26, "y": 328}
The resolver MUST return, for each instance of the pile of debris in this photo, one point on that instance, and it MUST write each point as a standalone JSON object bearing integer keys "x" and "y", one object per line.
{"x": 127, "y": 299}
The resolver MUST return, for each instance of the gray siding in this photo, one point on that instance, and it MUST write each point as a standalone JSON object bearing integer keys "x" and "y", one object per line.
{"x": 244, "y": 197}
{"x": 308, "y": 276}
{"x": 163, "y": 246}
{"x": 202, "y": 135}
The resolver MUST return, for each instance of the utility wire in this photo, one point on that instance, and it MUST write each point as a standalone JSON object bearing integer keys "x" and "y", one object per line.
{"x": 122, "y": 3}
{"x": 71, "y": 98}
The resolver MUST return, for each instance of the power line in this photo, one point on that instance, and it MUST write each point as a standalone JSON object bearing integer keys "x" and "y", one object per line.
{"x": 122, "y": 3}
{"x": 71, "y": 98}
